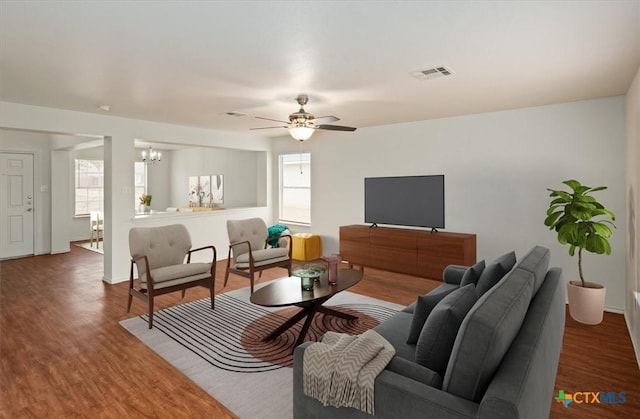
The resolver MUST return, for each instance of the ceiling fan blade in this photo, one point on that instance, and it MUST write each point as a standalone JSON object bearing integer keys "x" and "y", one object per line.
{"x": 336, "y": 128}
{"x": 270, "y": 127}
{"x": 326, "y": 119}
{"x": 269, "y": 119}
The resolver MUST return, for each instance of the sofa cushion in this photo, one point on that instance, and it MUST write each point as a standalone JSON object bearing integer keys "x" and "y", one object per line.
{"x": 536, "y": 262}
{"x": 494, "y": 272}
{"x": 395, "y": 330}
{"x": 415, "y": 372}
{"x": 472, "y": 274}
{"x": 439, "y": 331}
{"x": 486, "y": 334}
{"x": 424, "y": 305}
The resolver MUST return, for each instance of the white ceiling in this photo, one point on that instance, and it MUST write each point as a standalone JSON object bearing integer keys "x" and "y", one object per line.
{"x": 188, "y": 63}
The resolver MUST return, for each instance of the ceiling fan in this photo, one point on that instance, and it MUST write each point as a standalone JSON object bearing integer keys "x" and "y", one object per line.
{"x": 302, "y": 124}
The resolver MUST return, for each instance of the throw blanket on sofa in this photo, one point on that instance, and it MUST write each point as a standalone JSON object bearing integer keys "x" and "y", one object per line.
{"x": 340, "y": 371}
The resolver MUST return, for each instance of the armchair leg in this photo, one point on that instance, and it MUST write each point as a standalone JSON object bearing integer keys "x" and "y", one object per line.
{"x": 212, "y": 290}
{"x": 184, "y": 292}
{"x": 150, "y": 303}
{"x": 130, "y": 299}
{"x": 226, "y": 273}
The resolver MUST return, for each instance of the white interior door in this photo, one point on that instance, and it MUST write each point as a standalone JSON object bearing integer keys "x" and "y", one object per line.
{"x": 16, "y": 205}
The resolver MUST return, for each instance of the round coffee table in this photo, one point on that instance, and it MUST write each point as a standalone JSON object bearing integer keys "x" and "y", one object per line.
{"x": 288, "y": 292}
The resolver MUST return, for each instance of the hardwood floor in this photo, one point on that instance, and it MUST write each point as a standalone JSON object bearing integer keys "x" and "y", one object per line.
{"x": 63, "y": 353}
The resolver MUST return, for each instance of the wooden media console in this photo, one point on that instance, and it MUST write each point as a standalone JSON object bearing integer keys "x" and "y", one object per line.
{"x": 415, "y": 252}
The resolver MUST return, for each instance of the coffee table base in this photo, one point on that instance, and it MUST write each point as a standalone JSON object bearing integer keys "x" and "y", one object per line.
{"x": 308, "y": 310}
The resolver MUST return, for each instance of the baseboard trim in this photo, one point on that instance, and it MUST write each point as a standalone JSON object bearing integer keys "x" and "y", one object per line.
{"x": 636, "y": 349}
{"x": 613, "y": 310}
{"x": 607, "y": 309}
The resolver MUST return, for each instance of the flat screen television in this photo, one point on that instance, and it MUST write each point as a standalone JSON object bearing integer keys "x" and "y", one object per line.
{"x": 416, "y": 201}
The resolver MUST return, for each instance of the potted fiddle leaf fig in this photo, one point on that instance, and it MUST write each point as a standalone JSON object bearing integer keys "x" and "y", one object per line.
{"x": 584, "y": 224}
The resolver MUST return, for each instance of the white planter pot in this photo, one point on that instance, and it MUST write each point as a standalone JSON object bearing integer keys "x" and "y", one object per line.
{"x": 586, "y": 304}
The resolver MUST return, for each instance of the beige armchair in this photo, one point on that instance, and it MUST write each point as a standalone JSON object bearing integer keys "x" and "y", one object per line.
{"x": 249, "y": 251}
{"x": 159, "y": 256}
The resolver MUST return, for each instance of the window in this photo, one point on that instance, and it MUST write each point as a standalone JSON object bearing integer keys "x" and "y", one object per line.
{"x": 89, "y": 186}
{"x": 295, "y": 188}
{"x": 140, "y": 185}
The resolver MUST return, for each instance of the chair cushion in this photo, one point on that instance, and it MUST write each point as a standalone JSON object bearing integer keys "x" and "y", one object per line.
{"x": 424, "y": 305}
{"x": 494, "y": 272}
{"x": 168, "y": 273}
{"x": 264, "y": 255}
{"x": 472, "y": 274}
{"x": 180, "y": 281}
{"x": 263, "y": 263}
{"x": 439, "y": 331}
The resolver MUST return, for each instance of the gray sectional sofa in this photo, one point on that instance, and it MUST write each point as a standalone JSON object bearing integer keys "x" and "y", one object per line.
{"x": 502, "y": 354}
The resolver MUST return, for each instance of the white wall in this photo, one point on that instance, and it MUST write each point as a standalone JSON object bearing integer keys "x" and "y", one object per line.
{"x": 497, "y": 167}
{"x": 632, "y": 309}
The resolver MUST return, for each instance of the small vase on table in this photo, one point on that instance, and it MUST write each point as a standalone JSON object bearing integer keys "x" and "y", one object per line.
{"x": 332, "y": 261}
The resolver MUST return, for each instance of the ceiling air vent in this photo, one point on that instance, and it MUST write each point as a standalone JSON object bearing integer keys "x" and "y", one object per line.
{"x": 432, "y": 73}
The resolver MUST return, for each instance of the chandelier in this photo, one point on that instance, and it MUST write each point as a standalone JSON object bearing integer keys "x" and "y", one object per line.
{"x": 151, "y": 156}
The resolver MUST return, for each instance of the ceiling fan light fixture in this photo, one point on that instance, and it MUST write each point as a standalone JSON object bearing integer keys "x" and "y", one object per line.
{"x": 302, "y": 124}
{"x": 300, "y": 132}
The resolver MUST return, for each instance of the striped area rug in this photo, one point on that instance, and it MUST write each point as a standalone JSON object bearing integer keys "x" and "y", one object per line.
{"x": 222, "y": 351}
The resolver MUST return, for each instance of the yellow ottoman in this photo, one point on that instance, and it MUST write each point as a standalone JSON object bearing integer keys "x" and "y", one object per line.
{"x": 306, "y": 246}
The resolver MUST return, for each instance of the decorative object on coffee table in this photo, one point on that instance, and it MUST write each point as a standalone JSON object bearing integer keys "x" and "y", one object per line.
{"x": 332, "y": 262}
{"x": 308, "y": 274}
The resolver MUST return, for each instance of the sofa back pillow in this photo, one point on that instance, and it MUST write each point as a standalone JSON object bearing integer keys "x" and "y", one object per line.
{"x": 423, "y": 307}
{"x": 472, "y": 274}
{"x": 494, "y": 272}
{"x": 486, "y": 334}
{"x": 441, "y": 327}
